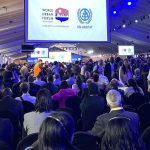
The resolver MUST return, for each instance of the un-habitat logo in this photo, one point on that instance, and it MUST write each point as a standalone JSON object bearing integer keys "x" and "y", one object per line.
{"x": 84, "y": 15}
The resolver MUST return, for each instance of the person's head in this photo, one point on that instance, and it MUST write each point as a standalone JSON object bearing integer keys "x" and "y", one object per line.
{"x": 30, "y": 78}
{"x": 24, "y": 87}
{"x": 56, "y": 132}
{"x": 43, "y": 101}
{"x": 112, "y": 59}
{"x": 50, "y": 78}
{"x": 64, "y": 85}
{"x": 87, "y": 74}
{"x": 114, "y": 83}
{"x": 95, "y": 77}
{"x": 93, "y": 89}
{"x": 121, "y": 135}
{"x": 137, "y": 71}
{"x": 88, "y": 82}
{"x": 126, "y": 62}
{"x": 113, "y": 98}
{"x": 7, "y": 92}
{"x": 40, "y": 61}
{"x": 132, "y": 82}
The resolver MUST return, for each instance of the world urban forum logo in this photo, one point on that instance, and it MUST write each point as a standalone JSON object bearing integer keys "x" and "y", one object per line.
{"x": 61, "y": 14}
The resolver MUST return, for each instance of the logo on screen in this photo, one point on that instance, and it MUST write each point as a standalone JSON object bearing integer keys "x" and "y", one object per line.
{"x": 84, "y": 15}
{"x": 61, "y": 14}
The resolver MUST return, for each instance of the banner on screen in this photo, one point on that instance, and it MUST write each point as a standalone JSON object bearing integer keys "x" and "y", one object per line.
{"x": 126, "y": 50}
{"x": 67, "y": 20}
{"x": 40, "y": 53}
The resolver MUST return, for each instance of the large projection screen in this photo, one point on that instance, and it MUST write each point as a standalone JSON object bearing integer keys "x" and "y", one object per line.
{"x": 66, "y": 21}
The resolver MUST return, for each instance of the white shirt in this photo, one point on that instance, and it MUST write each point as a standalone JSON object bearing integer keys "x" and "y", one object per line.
{"x": 33, "y": 121}
{"x": 39, "y": 82}
{"x": 27, "y": 97}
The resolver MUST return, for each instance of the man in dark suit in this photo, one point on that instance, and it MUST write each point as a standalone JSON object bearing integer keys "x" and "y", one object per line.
{"x": 116, "y": 110}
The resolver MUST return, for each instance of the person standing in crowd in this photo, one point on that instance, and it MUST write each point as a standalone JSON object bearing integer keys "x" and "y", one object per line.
{"x": 125, "y": 72}
{"x": 24, "y": 70}
{"x": 37, "y": 68}
{"x": 38, "y": 80}
{"x": 113, "y": 98}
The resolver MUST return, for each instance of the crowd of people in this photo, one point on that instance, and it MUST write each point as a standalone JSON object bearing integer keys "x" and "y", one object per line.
{"x": 61, "y": 102}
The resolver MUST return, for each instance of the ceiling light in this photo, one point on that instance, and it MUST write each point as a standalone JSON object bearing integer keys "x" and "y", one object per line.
{"x": 123, "y": 25}
{"x": 129, "y": 3}
{"x": 136, "y": 21}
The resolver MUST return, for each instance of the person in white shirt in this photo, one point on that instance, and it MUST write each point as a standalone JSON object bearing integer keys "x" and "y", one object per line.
{"x": 38, "y": 81}
{"x": 43, "y": 108}
{"x": 24, "y": 88}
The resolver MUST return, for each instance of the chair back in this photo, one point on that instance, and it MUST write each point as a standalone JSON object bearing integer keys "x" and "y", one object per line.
{"x": 27, "y": 107}
{"x": 143, "y": 112}
{"x": 136, "y": 100}
{"x": 27, "y": 141}
{"x": 146, "y": 137}
{"x": 85, "y": 141}
{"x": 89, "y": 116}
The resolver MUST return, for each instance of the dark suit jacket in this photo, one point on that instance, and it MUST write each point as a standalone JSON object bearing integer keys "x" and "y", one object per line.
{"x": 102, "y": 121}
{"x": 7, "y": 103}
{"x": 6, "y": 130}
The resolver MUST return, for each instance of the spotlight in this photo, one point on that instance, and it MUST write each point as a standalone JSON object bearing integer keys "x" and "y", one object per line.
{"x": 136, "y": 21}
{"x": 114, "y": 12}
{"x": 123, "y": 25}
{"x": 129, "y": 3}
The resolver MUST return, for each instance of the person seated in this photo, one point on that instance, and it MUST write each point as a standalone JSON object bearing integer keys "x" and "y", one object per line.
{"x": 38, "y": 80}
{"x": 57, "y": 80}
{"x": 121, "y": 135}
{"x": 92, "y": 99}
{"x": 132, "y": 88}
{"x": 71, "y": 80}
{"x": 113, "y": 98}
{"x": 43, "y": 107}
{"x": 56, "y": 132}
{"x": 34, "y": 88}
{"x": 24, "y": 88}
{"x": 50, "y": 86}
{"x": 64, "y": 93}
{"x": 8, "y": 104}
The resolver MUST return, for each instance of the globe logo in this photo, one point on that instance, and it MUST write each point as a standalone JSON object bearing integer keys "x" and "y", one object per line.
{"x": 84, "y": 15}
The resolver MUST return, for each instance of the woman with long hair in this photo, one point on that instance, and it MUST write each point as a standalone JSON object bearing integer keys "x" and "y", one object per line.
{"x": 56, "y": 133}
{"x": 43, "y": 107}
{"x": 120, "y": 135}
{"x": 125, "y": 72}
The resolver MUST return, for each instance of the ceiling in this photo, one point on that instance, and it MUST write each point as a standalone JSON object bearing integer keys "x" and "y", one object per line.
{"x": 12, "y": 29}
